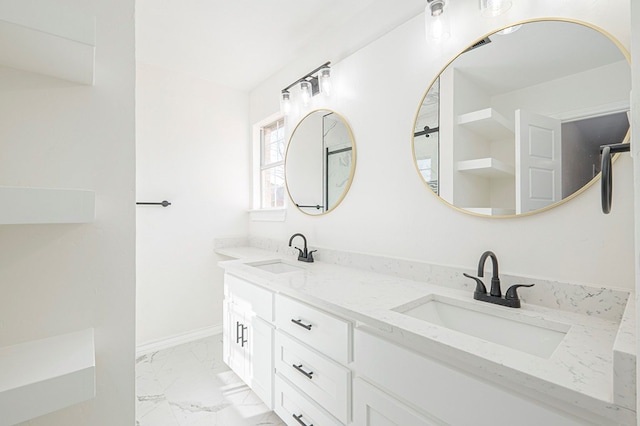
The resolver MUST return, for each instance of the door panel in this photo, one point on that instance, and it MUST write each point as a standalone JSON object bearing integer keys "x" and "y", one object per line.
{"x": 538, "y": 161}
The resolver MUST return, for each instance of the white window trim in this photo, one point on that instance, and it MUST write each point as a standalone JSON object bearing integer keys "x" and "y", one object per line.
{"x": 257, "y": 213}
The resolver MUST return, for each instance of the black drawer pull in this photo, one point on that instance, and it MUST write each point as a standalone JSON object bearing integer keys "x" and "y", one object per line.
{"x": 238, "y": 336}
{"x": 299, "y": 420}
{"x": 301, "y": 324}
{"x": 299, "y": 368}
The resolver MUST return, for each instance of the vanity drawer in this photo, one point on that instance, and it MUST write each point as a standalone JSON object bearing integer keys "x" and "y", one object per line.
{"x": 326, "y": 333}
{"x": 440, "y": 391}
{"x": 322, "y": 379}
{"x": 292, "y": 405}
{"x": 373, "y": 407}
{"x": 249, "y": 296}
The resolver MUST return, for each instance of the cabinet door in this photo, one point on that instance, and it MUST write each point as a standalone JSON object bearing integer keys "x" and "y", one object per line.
{"x": 227, "y": 332}
{"x": 259, "y": 358}
{"x": 238, "y": 333}
{"x": 372, "y": 407}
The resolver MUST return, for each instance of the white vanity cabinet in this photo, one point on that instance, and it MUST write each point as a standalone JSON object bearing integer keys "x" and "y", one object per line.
{"x": 248, "y": 335}
{"x": 397, "y": 386}
{"x": 312, "y": 348}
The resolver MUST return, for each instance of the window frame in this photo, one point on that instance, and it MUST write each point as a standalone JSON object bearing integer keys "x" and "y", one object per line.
{"x": 257, "y": 164}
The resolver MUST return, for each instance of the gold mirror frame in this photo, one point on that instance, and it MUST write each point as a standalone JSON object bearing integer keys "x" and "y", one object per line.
{"x": 586, "y": 186}
{"x": 353, "y": 160}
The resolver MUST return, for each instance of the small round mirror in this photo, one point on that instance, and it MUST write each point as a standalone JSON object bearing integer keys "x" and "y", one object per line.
{"x": 320, "y": 162}
{"x": 513, "y": 125}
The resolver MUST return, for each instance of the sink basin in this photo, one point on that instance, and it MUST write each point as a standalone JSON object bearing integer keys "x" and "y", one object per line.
{"x": 535, "y": 336}
{"x": 275, "y": 266}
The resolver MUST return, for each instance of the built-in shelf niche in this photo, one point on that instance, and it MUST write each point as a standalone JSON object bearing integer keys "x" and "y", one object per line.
{"x": 46, "y": 40}
{"x": 486, "y": 167}
{"x": 21, "y": 206}
{"x": 487, "y": 123}
{"x": 43, "y": 376}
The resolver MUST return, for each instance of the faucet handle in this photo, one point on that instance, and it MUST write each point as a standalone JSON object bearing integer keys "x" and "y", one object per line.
{"x": 480, "y": 287}
{"x": 300, "y": 253}
{"x": 512, "y": 292}
{"x": 310, "y": 255}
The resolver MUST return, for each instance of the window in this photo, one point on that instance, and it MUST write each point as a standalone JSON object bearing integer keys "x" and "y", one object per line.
{"x": 272, "y": 151}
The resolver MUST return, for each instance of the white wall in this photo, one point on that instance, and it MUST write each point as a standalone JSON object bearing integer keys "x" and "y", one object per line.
{"x": 57, "y": 279}
{"x": 192, "y": 150}
{"x": 379, "y": 89}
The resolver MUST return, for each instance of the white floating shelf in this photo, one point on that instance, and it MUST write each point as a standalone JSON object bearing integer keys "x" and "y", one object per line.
{"x": 488, "y": 123}
{"x": 43, "y": 376}
{"x": 47, "y": 40}
{"x": 486, "y": 167}
{"x": 491, "y": 211}
{"x": 19, "y": 206}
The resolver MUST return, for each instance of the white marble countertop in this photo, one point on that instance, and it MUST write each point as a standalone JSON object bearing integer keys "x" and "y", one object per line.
{"x": 579, "y": 374}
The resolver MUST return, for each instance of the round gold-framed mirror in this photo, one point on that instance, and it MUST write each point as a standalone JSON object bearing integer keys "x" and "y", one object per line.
{"x": 320, "y": 162}
{"x": 513, "y": 124}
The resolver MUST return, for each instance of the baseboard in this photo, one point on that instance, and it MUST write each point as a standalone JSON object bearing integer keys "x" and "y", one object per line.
{"x": 177, "y": 339}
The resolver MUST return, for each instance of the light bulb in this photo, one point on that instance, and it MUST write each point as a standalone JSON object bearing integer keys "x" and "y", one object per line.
{"x": 436, "y": 21}
{"x": 285, "y": 104}
{"x": 305, "y": 92}
{"x": 492, "y": 8}
{"x": 325, "y": 81}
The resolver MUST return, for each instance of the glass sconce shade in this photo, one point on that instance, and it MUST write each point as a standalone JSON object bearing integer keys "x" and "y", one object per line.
{"x": 285, "y": 102}
{"x": 492, "y": 8}
{"x": 305, "y": 92}
{"x": 325, "y": 81}
{"x": 436, "y": 21}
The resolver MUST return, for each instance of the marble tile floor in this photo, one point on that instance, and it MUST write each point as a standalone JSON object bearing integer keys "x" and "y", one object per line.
{"x": 190, "y": 385}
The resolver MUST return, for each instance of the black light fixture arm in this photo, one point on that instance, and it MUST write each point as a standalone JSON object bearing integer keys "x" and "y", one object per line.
{"x": 606, "y": 182}
{"x": 306, "y": 76}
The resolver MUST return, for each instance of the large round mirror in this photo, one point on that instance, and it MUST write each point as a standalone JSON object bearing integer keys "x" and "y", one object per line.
{"x": 320, "y": 162}
{"x": 514, "y": 123}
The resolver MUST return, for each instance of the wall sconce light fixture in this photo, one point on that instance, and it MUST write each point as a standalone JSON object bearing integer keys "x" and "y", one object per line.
{"x": 285, "y": 102}
{"x": 436, "y": 22}
{"x": 492, "y": 8}
{"x": 325, "y": 80}
{"x": 317, "y": 81}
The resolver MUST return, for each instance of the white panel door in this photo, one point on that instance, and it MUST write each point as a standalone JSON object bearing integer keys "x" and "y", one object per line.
{"x": 538, "y": 161}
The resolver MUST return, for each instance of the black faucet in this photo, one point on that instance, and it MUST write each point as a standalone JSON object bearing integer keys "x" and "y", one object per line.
{"x": 495, "y": 278}
{"x": 495, "y": 295}
{"x": 304, "y": 255}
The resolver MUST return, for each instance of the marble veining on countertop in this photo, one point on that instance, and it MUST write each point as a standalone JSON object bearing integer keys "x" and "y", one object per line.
{"x": 581, "y": 371}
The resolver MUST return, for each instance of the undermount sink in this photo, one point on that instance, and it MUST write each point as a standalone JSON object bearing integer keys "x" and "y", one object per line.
{"x": 275, "y": 266}
{"x": 535, "y": 336}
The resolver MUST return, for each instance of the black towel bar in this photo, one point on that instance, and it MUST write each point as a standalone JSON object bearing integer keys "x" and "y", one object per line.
{"x": 317, "y": 206}
{"x": 164, "y": 203}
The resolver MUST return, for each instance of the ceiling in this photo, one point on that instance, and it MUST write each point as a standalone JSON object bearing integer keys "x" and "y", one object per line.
{"x": 538, "y": 52}
{"x": 240, "y": 43}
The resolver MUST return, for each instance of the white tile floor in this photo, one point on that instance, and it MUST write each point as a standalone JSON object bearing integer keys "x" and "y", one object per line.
{"x": 190, "y": 385}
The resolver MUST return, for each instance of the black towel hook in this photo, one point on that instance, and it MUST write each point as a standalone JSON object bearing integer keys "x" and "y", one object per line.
{"x": 606, "y": 183}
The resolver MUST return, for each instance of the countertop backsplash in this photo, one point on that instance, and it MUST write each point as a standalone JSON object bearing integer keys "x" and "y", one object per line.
{"x": 601, "y": 302}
